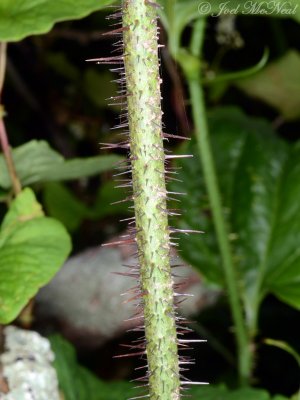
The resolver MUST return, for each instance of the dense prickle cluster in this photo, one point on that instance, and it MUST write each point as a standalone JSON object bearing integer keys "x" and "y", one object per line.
{"x": 146, "y": 172}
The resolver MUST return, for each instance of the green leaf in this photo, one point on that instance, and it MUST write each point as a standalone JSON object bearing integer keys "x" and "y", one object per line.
{"x": 208, "y": 392}
{"x": 24, "y": 209}
{"x": 61, "y": 204}
{"x": 35, "y": 161}
{"x": 258, "y": 175}
{"x": 277, "y": 85}
{"x": 222, "y": 393}
{"x": 21, "y": 18}
{"x": 279, "y": 397}
{"x": 107, "y": 195}
{"x": 77, "y": 383}
{"x": 99, "y": 87}
{"x": 32, "y": 249}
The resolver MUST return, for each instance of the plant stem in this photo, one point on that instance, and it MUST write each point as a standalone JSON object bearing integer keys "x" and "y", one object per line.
{"x": 3, "y": 47}
{"x": 198, "y": 107}
{"x": 8, "y": 159}
{"x": 149, "y": 195}
{"x": 3, "y": 135}
{"x": 205, "y": 151}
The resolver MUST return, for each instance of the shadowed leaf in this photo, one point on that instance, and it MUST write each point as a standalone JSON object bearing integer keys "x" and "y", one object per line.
{"x": 277, "y": 85}
{"x": 258, "y": 175}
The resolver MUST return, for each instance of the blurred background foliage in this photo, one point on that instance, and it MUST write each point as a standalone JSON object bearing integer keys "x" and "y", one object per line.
{"x": 58, "y": 103}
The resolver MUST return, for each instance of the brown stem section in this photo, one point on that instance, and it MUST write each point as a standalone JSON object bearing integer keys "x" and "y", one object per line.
{"x": 8, "y": 159}
{"x": 3, "y": 135}
{"x": 3, "y": 47}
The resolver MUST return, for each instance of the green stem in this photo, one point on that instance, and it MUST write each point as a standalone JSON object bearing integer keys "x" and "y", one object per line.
{"x": 199, "y": 112}
{"x": 237, "y": 75}
{"x": 205, "y": 151}
{"x": 149, "y": 195}
{"x": 3, "y": 135}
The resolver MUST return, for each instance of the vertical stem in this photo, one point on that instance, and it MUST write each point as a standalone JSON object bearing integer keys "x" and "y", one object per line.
{"x": 3, "y": 47}
{"x": 8, "y": 158}
{"x": 205, "y": 151}
{"x": 3, "y": 135}
{"x": 149, "y": 194}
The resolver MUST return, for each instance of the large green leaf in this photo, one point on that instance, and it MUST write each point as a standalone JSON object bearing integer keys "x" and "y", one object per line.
{"x": 21, "y": 18}
{"x": 77, "y": 383}
{"x": 61, "y": 204}
{"x": 278, "y": 85}
{"x": 259, "y": 181}
{"x": 35, "y": 162}
{"x": 32, "y": 249}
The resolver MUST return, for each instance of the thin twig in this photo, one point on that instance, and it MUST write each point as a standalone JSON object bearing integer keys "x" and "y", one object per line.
{"x": 3, "y": 135}
{"x": 3, "y": 47}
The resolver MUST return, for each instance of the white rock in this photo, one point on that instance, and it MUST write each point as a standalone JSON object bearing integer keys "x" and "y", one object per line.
{"x": 26, "y": 365}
